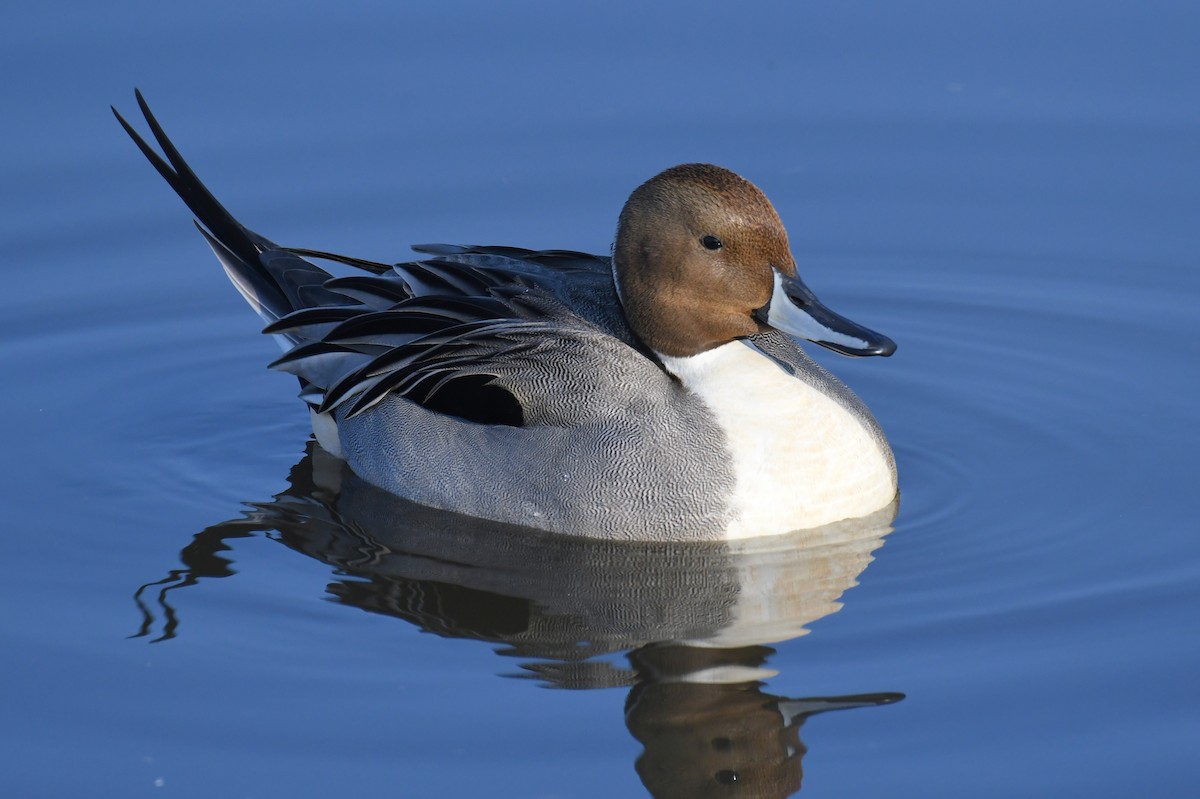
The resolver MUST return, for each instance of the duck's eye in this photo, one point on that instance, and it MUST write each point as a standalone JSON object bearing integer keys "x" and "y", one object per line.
{"x": 712, "y": 243}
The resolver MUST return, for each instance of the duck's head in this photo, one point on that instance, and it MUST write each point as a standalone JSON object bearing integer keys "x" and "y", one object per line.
{"x": 701, "y": 258}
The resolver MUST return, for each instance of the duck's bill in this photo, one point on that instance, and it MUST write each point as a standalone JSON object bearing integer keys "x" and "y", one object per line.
{"x": 795, "y": 310}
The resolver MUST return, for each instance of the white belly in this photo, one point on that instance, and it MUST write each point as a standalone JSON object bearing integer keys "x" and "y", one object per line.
{"x": 801, "y": 459}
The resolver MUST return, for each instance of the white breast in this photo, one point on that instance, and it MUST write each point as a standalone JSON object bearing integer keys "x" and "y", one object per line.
{"x": 801, "y": 459}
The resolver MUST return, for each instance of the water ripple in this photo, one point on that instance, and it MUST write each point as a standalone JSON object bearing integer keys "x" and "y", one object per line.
{"x": 1026, "y": 410}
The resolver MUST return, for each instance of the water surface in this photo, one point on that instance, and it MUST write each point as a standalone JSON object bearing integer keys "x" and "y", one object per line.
{"x": 1010, "y": 193}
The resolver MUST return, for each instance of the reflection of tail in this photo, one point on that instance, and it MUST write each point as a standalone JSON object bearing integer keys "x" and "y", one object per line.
{"x": 200, "y": 559}
{"x": 705, "y": 737}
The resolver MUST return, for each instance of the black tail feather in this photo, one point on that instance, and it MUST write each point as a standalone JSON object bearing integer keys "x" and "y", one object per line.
{"x": 233, "y": 237}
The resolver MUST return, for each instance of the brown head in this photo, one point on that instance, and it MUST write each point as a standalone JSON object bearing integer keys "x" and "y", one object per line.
{"x": 701, "y": 258}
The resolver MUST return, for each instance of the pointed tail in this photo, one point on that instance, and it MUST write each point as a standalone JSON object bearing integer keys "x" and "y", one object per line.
{"x": 269, "y": 278}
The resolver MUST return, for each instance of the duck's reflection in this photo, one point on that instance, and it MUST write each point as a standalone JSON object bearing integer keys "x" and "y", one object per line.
{"x": 693, "y": 619}
{"x": 709, "y": 731}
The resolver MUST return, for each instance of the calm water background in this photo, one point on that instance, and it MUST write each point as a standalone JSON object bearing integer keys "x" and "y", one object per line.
{"x": 1011, "y": 192}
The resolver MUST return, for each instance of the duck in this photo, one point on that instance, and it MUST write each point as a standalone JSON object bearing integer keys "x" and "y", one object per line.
{"x": 660, "y": 393}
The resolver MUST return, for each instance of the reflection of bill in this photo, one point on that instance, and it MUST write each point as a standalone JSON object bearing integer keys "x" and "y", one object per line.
{"x": 707, "y": 733}
{"x": 692, "y": 617}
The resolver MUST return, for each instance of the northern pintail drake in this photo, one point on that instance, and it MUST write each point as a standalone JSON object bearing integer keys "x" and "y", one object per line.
{"x": 659, "y": 394}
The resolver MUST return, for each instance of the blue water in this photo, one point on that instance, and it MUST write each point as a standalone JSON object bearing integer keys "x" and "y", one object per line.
{"x": 1010, "y": 192}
